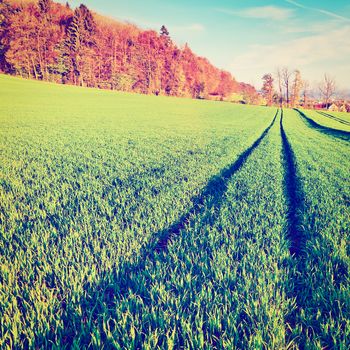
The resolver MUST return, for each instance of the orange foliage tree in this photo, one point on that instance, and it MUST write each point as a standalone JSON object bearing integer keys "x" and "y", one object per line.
{"x": 48, "y": 41}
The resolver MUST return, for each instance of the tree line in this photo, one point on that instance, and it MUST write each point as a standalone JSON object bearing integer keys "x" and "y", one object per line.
{"x": 287, "y": 88}
{"x": 48, "y": 41}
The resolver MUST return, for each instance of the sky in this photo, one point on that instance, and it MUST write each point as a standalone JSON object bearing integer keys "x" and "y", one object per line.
{"x": 252, "y": 37}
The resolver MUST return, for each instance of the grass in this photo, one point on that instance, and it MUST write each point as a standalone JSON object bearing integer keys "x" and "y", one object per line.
{"x": 329, "y": 119}
{"x": 342, "y": 115}
{"x": 131, "y": 222}
{"x": 330, "y": 131}
{"x": 322, "y": 280}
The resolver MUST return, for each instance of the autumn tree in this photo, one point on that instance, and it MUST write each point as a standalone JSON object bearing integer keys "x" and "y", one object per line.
{"x": 267, "y": 88}
{"x": 21, "y": 53}
{"x": 45, "y": 40}
{"x": 327, "y": 89}
{"x": 169, "y": 57}
{"x": 226, "y": 84}
{"x": 116, "y": 55}
{"x": 250, "y": 96}
{"x": 34, "y": 31}
{"x": 148, "y": 65}
{"x": 296, "y": 89}
{"x": 47, "y": 35}
{"x": 191, "y": 71}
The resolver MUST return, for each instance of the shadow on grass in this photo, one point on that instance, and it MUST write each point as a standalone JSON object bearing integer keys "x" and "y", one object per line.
{"x": 312, "y": 309}
{"x": 294, "y": 195}
{"x": 131, "y": 276}
{"x": 340, "y": 134}
{"x": 214, "y": 190}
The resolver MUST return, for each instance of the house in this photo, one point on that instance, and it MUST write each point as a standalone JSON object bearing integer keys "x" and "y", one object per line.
{"x": 333, "y": 108}
{"x": 342, "y": 108}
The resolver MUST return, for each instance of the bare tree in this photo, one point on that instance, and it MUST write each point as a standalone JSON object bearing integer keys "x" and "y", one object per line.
{"x": 279, "y": 82}
{"x": 286, "y": 74}
{"x": 306, "y": 92}
{"x": 327, "y": 89}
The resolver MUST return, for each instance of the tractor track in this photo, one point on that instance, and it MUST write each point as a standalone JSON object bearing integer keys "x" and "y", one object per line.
{"x": 294, "y": 194}
{"x": 295, "y": 197}
{"x": 333, "y": 117}
{"x": 339, "y": 134}
{"x": 214, "y": 190}
{"x": 211, "y": 196}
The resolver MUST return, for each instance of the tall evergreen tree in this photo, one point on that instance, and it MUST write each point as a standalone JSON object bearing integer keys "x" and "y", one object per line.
{"x": 5, "y": 11}
{"x": 44, "y": 6}
{"x": 164, "y": 31}
{"x": 80, "y": 40}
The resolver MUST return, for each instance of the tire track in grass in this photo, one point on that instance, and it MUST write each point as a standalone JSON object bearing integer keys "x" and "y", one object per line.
{"x": 340, "y": 134}
{"x": 295, "y": 203}
{"x": 214, "y": 190}
{"x": 121, "y": 283}
{"x": 318, "y": 275}
{"x": 211, "y": 196}
{"x": 334, "y": 118}
{"x": 294, "y": 195}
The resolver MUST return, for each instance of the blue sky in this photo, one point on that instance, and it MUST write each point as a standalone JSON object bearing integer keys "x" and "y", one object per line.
{"x": 250, "y": 37}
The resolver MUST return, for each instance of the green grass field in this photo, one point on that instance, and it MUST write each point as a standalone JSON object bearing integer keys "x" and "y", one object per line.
{"x": 140, "y": 222}
{"x": 339, "y": 121}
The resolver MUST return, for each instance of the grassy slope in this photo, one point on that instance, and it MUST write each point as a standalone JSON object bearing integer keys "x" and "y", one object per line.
{"x": 221, "y": 284}
{"x": 88, "y": 176}
{"x": 90, "y": 179}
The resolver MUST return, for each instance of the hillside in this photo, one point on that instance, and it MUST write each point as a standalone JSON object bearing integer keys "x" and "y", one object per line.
{"x": 48, "y": 41}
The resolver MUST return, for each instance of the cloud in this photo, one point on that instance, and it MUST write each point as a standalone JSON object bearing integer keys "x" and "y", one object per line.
{"x": 263, "y": 12}
{"x": 325, "y": 12}
{"x": 300, "y": 25}
{"x": 197, "y": 27}
{"x": 327, "y": 50}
